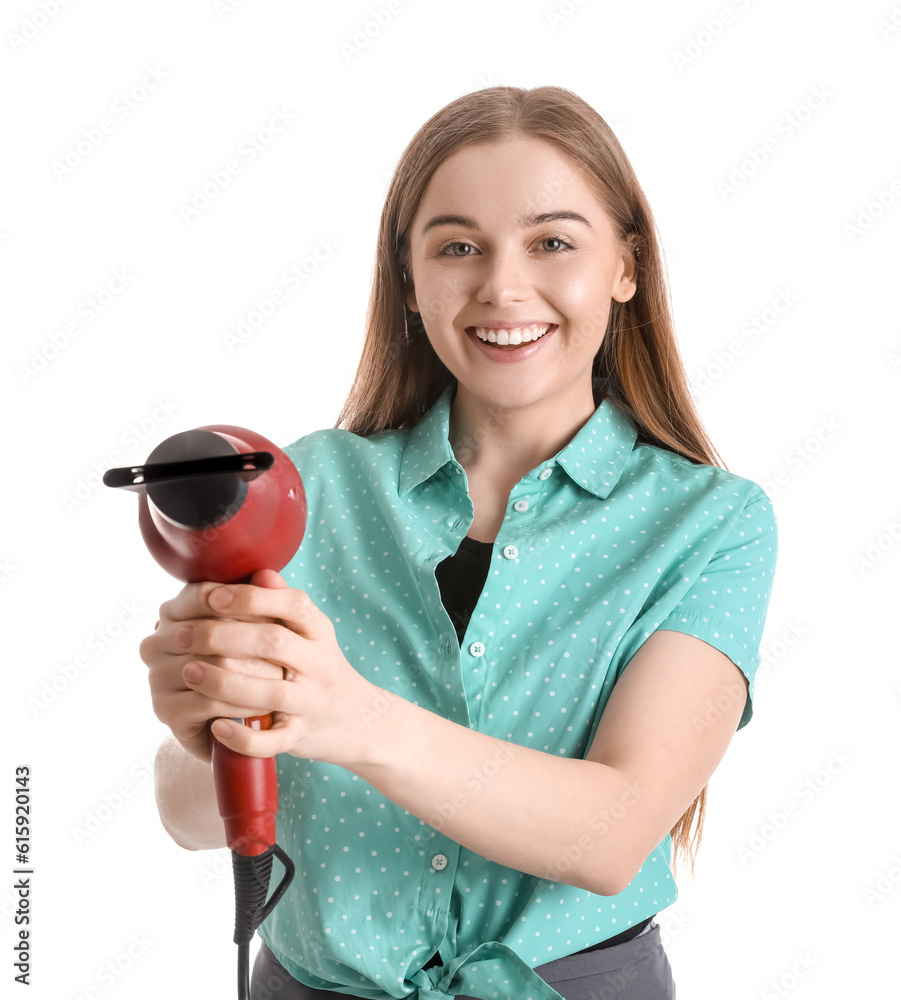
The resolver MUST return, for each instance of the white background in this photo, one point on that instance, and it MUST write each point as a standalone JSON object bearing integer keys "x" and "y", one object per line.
{"x": 796, "y": 889}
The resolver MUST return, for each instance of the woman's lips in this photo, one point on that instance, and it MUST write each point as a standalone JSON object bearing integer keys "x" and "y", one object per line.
{"x": 509, "y": 354}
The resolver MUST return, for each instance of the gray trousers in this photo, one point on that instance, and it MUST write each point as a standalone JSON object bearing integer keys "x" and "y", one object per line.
{"x": 637, "y": 969}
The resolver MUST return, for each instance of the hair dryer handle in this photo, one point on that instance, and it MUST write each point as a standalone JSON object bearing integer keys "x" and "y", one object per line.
{"x": 247, "y": 794}
{"x": 247, "y": 787}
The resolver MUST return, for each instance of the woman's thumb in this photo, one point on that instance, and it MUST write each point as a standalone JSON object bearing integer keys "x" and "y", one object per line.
{"x": 268, "y": 578}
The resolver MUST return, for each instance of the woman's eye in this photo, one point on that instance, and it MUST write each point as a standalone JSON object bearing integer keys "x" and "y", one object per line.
{"x": 444, "y": 250}
{"x": 563, "y": 247}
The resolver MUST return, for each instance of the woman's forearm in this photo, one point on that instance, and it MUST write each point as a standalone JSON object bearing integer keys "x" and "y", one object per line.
{"x": 564, "y": 819}
{"x": 186, "y": 798}
{"x": 555, "y": 817}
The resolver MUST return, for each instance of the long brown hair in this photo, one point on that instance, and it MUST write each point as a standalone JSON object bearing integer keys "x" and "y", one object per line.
{"x": 638, "y": 365}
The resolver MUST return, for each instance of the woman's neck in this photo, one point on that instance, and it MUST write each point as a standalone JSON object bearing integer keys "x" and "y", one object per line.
{"x": 501, "y": 444}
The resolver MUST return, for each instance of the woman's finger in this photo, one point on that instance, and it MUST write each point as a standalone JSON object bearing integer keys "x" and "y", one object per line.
{"x": 268, "y": 578}
{"x": 165, "y": 666}
{"x": 189, "y": 709}
{"x": 233, "y": 640}
{"x": 293, "y": 607}
{"x": 257, "y": 696}
{"x": 281, "y": 738}
{"x": 193, "y": 600}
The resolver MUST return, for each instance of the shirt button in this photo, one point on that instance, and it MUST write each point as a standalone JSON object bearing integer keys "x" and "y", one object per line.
{"x": 521, "y": 505}
{"x": 439, "y": 862}
{"x": 511, "y": 551}
{"x": 545, "y": 473}
{"x": 477, "y": 649}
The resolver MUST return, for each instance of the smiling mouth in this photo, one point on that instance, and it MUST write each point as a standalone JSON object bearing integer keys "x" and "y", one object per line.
{"x": 515, "y": 337}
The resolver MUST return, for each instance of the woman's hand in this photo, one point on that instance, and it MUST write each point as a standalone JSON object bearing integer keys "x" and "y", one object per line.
{"x": 236, "y": 650}
{"x": 187, "y": 713}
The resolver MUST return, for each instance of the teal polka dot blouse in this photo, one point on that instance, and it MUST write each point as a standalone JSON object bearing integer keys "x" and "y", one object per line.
{"x": 602, "y": 544}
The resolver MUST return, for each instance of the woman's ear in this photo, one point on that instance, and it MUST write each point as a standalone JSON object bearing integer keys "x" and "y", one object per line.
{"x": 627, "y": 277}
{"x": 410, "y": 295}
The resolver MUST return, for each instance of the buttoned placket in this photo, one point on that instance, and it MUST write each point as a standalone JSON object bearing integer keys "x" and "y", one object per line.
{"x": 437, "y": 854}
{"x": 442, "y": 855}
{"x": 439, "y": 857}
{"x": 441, "y": 498}
{"x": 523, "y": 510}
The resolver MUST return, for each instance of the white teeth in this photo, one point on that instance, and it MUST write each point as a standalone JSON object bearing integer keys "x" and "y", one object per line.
{"x": 519, "y": 335}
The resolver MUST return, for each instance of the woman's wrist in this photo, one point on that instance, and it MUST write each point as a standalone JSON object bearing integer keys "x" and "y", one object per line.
{"x": 380, "y": 717}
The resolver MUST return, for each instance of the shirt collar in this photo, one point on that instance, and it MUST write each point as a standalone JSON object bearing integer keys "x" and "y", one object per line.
{"x": 594, "y": 459}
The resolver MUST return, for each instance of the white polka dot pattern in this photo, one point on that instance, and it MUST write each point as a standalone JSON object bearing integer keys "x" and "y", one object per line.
{"x": 613, "y": 539}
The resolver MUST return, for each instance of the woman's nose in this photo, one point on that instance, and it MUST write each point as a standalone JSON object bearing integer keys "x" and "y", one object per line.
{"x": 502, "y": 277}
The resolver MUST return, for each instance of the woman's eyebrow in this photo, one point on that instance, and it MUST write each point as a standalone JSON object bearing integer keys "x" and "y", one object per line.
{"x": 526, "y": 222}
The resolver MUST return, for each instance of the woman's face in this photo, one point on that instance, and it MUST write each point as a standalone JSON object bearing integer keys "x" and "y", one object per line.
{"x": 488, "y": 255}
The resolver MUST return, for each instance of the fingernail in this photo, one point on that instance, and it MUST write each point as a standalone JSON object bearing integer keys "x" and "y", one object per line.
{"x": 184, "y": 635}
{"x": 193, "y": 673}
{"x": 222, "y": 729}
{"x": 221, "y": 597}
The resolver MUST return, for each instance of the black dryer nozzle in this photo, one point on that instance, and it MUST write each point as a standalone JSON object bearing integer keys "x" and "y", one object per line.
{"x": 196, "y": 478}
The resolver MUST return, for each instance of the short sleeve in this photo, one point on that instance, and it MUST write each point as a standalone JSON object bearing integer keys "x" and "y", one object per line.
{"x": 726, "y": 605}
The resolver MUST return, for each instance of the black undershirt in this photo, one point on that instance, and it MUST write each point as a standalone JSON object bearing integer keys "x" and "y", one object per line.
{"x": 461, "y": 579}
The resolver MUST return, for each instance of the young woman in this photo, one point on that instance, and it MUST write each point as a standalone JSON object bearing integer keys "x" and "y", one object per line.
{"x": 524, "y": 622}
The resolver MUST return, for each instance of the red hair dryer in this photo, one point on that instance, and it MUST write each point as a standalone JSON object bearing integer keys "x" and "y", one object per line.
{"x": 218, "y": 504}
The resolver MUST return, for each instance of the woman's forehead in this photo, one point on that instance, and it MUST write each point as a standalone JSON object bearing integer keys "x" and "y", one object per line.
{"x": 521, "y": 179}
